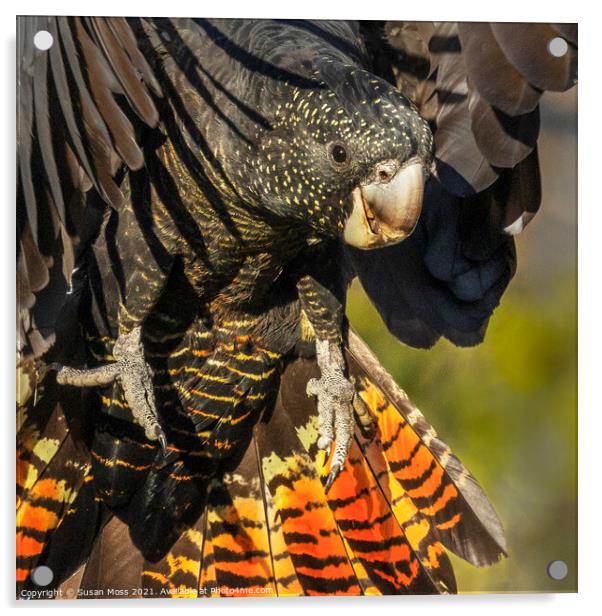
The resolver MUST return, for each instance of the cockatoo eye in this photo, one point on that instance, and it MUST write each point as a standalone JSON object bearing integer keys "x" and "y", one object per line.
{"x": 338, "y": 153}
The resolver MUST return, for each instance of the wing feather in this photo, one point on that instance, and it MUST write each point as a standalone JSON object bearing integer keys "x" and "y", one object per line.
{"x": 504, "y": 140}
{"x": 527, "y": 47}
{"x": 493, "y": 75}
{"x": 74, "y": 133}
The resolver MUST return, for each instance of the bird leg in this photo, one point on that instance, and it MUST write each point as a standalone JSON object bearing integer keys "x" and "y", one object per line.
{"x": 335, "y": 395}
{"x": 135, "y": 376}
{"x": 321, "y": 290}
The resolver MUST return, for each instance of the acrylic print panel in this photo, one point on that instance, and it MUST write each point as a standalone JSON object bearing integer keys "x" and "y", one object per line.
{"x": 238, "y": 240}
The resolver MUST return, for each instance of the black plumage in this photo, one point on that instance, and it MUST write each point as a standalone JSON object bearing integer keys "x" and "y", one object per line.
{"x": 192, "y": 180}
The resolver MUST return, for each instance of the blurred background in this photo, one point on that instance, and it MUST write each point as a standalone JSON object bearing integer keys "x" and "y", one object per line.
{"x": 508, "y": 408}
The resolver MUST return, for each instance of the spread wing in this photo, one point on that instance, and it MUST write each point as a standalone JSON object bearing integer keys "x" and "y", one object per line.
{"x": 81, "y": 107}
{"x": 479, "y": 85}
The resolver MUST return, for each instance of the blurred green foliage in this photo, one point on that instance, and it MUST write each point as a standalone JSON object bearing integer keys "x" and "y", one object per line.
{"x": 508, "y": 409}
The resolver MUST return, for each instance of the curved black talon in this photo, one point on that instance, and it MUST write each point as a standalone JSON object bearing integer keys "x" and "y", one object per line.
{"x": 335, "y": 469}
{"x": 162, "y": 440}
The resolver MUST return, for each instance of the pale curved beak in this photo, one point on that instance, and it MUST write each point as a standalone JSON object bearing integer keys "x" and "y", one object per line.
{"x": 386, "y": 213}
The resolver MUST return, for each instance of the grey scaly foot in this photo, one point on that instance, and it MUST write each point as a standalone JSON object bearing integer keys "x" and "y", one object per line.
{"x": 134, "y": 374}
{"x": 336, "y": 396}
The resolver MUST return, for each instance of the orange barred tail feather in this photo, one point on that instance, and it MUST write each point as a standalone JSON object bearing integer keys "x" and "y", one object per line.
{"x": 420, "y": 464}
{"x": 267, "y": 527}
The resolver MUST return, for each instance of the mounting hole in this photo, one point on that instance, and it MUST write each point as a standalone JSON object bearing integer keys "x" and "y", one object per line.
{"x": 43, "y": 40}
{"x": 42, "y": 576}
{"x": 558, "y": 569}
{"x": 558, "y": 47}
